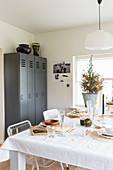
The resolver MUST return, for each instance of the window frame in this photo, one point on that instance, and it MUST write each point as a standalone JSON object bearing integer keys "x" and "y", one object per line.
{"x": 74, "y": 76}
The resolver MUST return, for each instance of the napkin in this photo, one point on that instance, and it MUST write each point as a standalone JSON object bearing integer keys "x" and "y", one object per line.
{"x": 37, "y": 130}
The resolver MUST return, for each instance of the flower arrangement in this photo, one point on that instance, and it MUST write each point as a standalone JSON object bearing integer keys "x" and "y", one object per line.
{"x": 91, "y": 81}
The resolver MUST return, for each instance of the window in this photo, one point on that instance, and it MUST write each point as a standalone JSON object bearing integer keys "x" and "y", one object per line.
{"x": 102, "y": 64}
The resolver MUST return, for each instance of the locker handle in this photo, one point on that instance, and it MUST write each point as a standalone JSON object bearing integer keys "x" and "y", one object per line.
{"x": 29, "y": 95}
{"x": 21, "y": 97}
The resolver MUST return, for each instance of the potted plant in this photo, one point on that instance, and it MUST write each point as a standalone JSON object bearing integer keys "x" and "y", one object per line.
{"x": 91, "y": 84}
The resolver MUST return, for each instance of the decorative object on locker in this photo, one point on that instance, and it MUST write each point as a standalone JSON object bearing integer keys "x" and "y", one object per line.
{"x": 99, "y": 40}
{"x": 23, "y": 48}
{"x": 36, "y": 49}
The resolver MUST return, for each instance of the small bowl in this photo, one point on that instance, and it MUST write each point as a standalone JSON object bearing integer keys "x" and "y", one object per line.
{"x": 109, "y": 129}
{"x": 51, "y": 122}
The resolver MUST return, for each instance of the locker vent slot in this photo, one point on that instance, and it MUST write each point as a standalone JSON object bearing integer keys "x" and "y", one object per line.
{"x": 43, "y": 65}
{"x": 23, "y": 63}
{"x": 30, "y": 64}
{"x": 37, "y": 65}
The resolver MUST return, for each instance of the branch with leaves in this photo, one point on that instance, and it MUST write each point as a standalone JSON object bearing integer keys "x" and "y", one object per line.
{"x": 91, "y": 81}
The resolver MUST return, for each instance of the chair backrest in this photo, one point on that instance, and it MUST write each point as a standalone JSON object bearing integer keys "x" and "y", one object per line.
{"x": 18, "y": 127}
{"x": 49, "y": 114}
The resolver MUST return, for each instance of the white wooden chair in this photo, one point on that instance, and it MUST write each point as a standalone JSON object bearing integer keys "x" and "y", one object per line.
{"x": 17, "y": 128}
{"x": 50, "y": 114}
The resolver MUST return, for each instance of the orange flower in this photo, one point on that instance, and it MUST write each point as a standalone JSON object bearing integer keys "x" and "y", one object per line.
{"x": 97, "y": 87}
{"x": 88, "y": 84}
{"x": 84, "y": 77}
{"x": 95, "y": 79}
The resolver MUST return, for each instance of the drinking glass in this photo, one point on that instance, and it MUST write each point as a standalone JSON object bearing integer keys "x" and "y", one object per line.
{"x": 89, "y": 105}
{"x": 51, "y": 131}
{"x": 61, "y": 121}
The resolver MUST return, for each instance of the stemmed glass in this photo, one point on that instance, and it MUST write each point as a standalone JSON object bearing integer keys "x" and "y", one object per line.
{"x": 61, "y": 121}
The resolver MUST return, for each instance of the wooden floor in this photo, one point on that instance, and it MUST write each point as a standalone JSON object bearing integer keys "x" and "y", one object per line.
{"x": 55, "y": 166}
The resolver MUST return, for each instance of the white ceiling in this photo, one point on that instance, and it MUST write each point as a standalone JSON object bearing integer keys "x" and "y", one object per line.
{"x": 50, "y": 15}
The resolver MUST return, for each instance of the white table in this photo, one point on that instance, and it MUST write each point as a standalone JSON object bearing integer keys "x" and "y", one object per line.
{"x": 71, "y": 149}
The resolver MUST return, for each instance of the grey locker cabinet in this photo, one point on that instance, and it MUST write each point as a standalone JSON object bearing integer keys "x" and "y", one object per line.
{"x": 25, "y": 88}
{"x": 41, "y": 87}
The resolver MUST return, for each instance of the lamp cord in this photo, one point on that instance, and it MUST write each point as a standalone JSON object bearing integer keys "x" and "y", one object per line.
{"x": 99, "y": 2}
{"x": 99, "y": 19}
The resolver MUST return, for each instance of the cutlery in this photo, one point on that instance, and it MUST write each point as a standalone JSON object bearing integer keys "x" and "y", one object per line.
{"x": 107, "y": 135}
{"x": 70, "y": 130}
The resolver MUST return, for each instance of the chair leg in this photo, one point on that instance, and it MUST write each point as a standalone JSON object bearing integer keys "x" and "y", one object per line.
{"x": 33, "y": 167}
{"x": 61, "y": 166}
{"x": 67, "y": 166}
{"x": 37, "y": 166}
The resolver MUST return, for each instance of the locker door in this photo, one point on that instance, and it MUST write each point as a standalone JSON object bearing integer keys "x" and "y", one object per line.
{"x": 39, "y": 115}
{"x": 23, "y": 87}
{"x": 44, "y": 83}
{"x": 31, "y": 102}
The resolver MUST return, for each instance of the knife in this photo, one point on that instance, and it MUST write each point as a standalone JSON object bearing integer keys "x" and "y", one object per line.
{"x": 107, "y": 135}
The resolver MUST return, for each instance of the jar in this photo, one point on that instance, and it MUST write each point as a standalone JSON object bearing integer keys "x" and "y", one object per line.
{"x": 36, "y": 49}
{"x": 82, "y": 119}
{"x": 23, "y": 48}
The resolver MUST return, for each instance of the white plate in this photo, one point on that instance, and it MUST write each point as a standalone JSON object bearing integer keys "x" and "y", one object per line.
{"x": 99, "y": 124}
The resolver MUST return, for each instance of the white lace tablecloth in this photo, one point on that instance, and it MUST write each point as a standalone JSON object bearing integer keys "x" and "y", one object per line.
{"x": 73, "y": 149}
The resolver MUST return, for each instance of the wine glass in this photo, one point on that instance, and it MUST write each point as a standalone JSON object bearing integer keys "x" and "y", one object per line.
{"x": 61, "y": 121}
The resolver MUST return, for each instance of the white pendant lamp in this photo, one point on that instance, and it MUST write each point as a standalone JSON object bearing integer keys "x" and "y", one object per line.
{"x": 99, "y": 40}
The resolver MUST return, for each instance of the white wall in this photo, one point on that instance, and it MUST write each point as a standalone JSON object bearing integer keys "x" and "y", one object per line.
{"x": 10, "y": 37}
{"x": 61, "y": 46}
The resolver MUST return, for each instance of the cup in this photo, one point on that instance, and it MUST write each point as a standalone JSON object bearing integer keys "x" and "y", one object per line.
{"x": 89, "y": 105}
{"x": 61, "y": 121}
{"x": 51, "y": 131}
{"x": 82, "y": 119}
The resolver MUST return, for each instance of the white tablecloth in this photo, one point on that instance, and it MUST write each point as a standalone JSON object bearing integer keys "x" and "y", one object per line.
{"x": 72, "y": 149}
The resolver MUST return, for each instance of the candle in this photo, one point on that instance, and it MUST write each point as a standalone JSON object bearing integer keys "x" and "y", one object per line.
{"x": 103, "y": 104}
{"x": 82, "y": 121}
